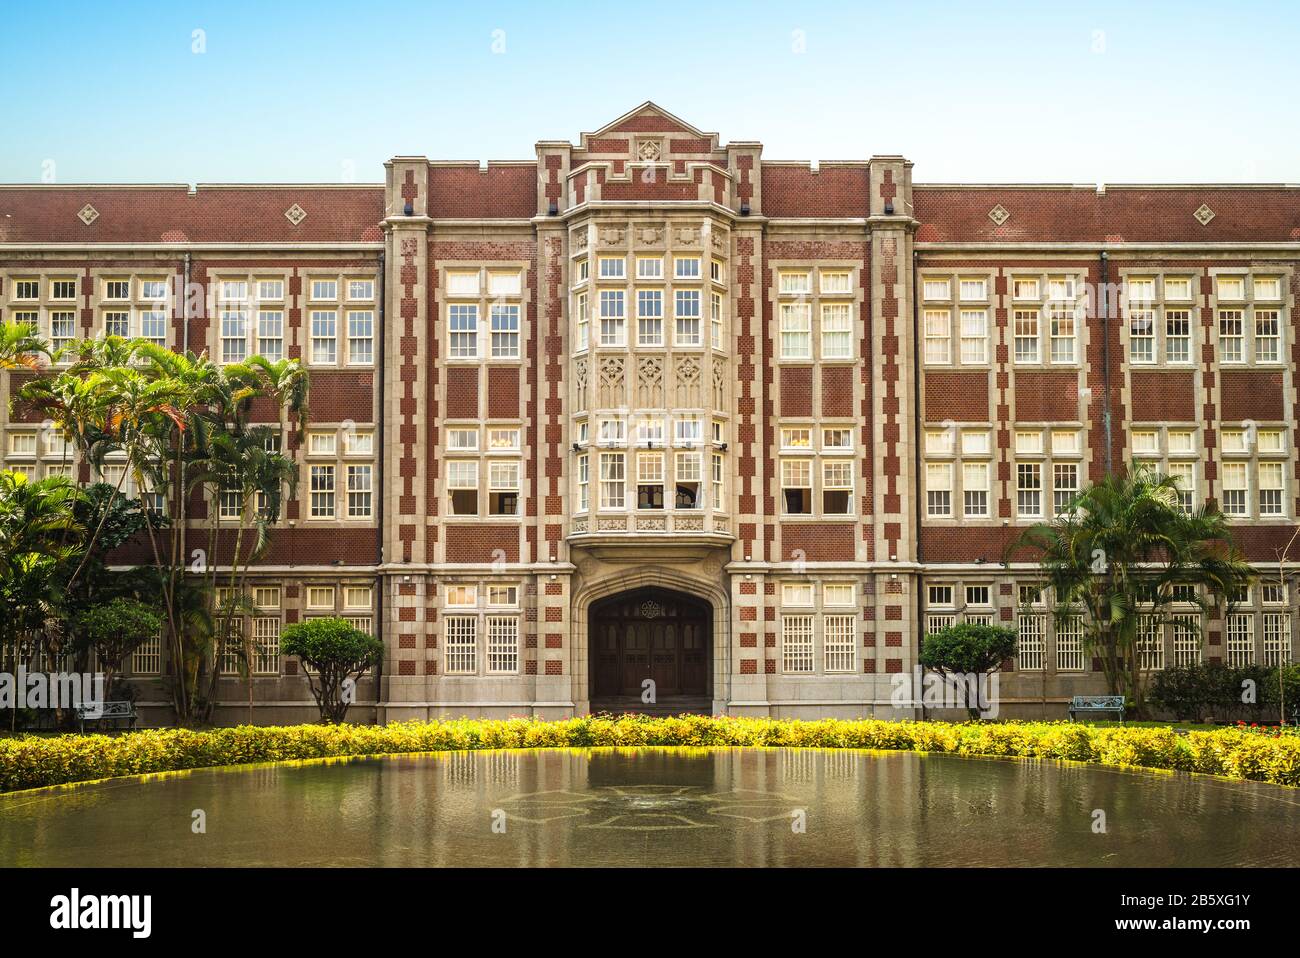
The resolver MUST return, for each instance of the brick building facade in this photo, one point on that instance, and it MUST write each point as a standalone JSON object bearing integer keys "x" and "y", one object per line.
{"x": 651, "y": 406}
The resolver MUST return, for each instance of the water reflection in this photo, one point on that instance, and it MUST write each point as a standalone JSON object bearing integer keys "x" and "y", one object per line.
{"x": 657, "y": 806}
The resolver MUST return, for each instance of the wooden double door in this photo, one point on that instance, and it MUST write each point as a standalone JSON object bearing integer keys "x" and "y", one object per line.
{"x": 650, "y": 634}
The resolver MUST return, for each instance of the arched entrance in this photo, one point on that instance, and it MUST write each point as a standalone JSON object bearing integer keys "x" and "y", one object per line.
{"x": 655, "y": 634}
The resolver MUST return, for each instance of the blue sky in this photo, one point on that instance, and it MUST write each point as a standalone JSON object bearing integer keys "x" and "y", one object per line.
{"x": 972, "y": 92}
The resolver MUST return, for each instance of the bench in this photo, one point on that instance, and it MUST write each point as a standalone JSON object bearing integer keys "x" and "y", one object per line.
{"x": 107, "y": 711}
{"x": 1095, "y": 704}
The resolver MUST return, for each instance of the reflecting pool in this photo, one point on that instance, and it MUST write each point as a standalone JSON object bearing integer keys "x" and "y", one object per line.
{"x": 656, "y": 807}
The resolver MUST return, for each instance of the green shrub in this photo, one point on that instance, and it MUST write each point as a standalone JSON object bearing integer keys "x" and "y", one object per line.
{"x": 1259, "y": 755}
{"x": 337, "y": 655}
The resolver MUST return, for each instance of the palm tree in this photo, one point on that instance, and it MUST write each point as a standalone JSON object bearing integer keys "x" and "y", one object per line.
{"x": 1117, "y": 554}
{"x": 20, "y": 347}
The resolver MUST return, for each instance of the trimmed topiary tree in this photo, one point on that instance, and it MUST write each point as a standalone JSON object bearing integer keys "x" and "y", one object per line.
{"x": 114, "y": 630}
{"x": 338, "y": 654}
{"x": 968, "y": 649}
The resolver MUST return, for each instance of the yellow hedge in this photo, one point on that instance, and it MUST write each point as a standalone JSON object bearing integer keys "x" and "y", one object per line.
{"x": 35, "y": 761}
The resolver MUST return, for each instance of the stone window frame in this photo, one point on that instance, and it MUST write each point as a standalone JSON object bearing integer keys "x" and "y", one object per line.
{"x": 483, "y": 613}
{"x": 815, "y": 298}
{"x": 951, "y": 304}
{"x": 954, "y": 455}
{"x": 1163, "y": 455}
{"x": 342, "y": 456}
{"x": 1251, "y": 455}
{"x": 817, "y": 611}
{"x": 1044, "y": 302}
{"x": 1159, "y": 304}
{"x": 253, "y": 305}
{"x": 1249, "y": 305}
{"x": 1047, "y": 459}
{"x": 483, "y": 301}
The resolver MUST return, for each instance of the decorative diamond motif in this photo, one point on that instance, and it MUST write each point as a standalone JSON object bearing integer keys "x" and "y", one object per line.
{"x": 88, "y": 214}
{"x": 650, "y": 609}
{"x": 1204, "y": 215}
{"x": 650, "y": 150}
{"x": 999, "y": 214}
{"x": 295, "y": 214}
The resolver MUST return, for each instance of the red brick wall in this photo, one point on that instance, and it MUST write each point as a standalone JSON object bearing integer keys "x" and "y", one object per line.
{"x": 959, "y": 396}
{"x": 1251, "y": 394}
{"x": 1163, "y": 396}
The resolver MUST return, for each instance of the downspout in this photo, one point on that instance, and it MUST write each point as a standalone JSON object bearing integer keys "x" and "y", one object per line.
{"x": 1105, "y": 356}
{"x": 379, "y": 430}
{"x": 916, "y": 457}
{"x": 182, "y": 499}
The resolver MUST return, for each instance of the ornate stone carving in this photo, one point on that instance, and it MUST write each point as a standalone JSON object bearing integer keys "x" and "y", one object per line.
{"x": 650, "y": 235}
{"x": 295, "y": 214}
{"x": 688, "y": 382}
{"x": 578, "y": 240}
{"x": 612, "y": 385}
{"x": 999, "y": 214}
{"x": 580, "y": 382}
{"x": 1204, "y": 215}
{"x": 88, "y": 214}
{"x": 719, "y": 384}
{"x": 687, "y": 236}
{"x": 650, "y": 150}
{"x": 612, "y": 236}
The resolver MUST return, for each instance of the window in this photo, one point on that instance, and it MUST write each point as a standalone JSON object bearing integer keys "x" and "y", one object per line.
{"x": 147, "y": 657}
{"x": 796, "y": 331}
{"x": 838, "y": 593}
{"x": 973, "y": 289}
{"x": 1031, "y": 629}
{"x": 358, "y": 597}
{"x": 1065, "y": 485}
{"x": 792, "y": 283}
{"x": 718, "y": 477}
{"x": 613, "y": 328}
{"x": 1241, "y": 638}
{"x": 506, "y": 438}
{"x": 359, "y": 491}
{"x": 462, "y": 644}
{"x": 1232, "y": 336}
{"x": 836, "y": 281}
{"x": 1268, "y": 288}
{"x": 121, "y": 289}
{"x": 1267, "y": 335}
{"x": 796, "y": 486}
{"x": 650, "y": 480}
{"x": 1150, "y": 643}
{"x": 837, "y": 487}
{"x": 1277, "y": 638}
{"x": 361, "y": 337}
{"x": 839, "y": 645}
{"x": 462, "y": 486}
{"x": 63, "y": 289}
{"x": 361, "y": 290}
{"x": 270, "y": 290}
{"x": 505, "y": 331}
{"x": 937, "y": 288}
{"x": 1069, "y": 645}
{"x": 321, "y": 443}
{"x": 584, "y": 323}
{"x": 266, "y": 645}
{"x": 688, "y": 480}
{"x": 650, "y": 317}
{"x": 1142, "y": 336}
{"x": 1060, "y": 331}
{"x": 322, "y": 492}
{"x": 1270, "y": 489}
{"x": 324, "y": 336}
{"x": 234, "y": 335}
{"x": 27, "y": 289}
{"x": 796, "y": 437}
{"x": 686, "y": 311}
{"x": 837, "y": 331}
{"x": 1187, "y": 639}
{"x": 612, "y": 480}
{"x": 975, "y": 489}
{"x": 117, "y": 322}
{"x": 462, "y": 322}
{"x": 613, "y": 267}
{"x": 974, "y": 336}
{"x": 938, "y": 595}
{"x": 1235, "y": 490}
{"x": 1029, "y": 489}
{"x": 715, "y": 319}
{"x": 938, "y": 489}
{"x": 320, "y": 597}
{"x": 462, "y": 440}
{"x": 1024, "y": 287}
{"x": 977, "y": 595}
{"x": 938, "y": 336}
{"x": 1231, "y": 288}
{"x": 649, "y": 267}
{"x": 503, "y": 644}
{"x": 1178, "y": 335}
{"x": 797, "y": 643}
{"x": 715, "y": 270}
{"x": 583, "y": 270}
{"x": 1178, "y": 288}
{"x": 462, "y": 596}
{"x": 837, "y": 439}
{"x": 1026, "y": 335}
{"x": 686, "y": 267}
{"x": 584, "y": 482}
